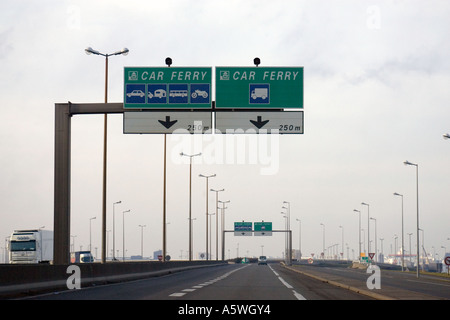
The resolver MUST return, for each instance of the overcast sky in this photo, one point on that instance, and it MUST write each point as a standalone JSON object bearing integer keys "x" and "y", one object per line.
{"x": 376, "y": 93}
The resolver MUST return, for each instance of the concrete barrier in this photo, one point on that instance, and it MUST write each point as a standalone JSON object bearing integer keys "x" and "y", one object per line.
{"x": 20, "y": 280}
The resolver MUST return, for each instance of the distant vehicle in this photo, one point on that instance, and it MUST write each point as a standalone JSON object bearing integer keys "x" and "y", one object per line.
{"x": 201, "y": 93}
{"x": 136, "y": 93}
{"x": 260, "y": 93}
{"x": 262, "y": 260}
{"x": 31, "y": 246}
{"x": 81, "y": 257}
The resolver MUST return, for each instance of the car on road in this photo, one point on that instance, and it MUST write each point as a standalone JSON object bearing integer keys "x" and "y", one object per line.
{"x": 262, "y": 260}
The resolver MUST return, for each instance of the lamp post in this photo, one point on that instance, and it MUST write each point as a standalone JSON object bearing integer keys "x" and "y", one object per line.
{"x": 217, "y": 221}
{"x": 342, "y": 242}
{"x": 124, "y": 51}
{"x": 123, "y": 233}
{"x": 407, "y": 163}
{"x": 403, "y": 244}
{"x": 368, "y": 229}
{"x": 207, "y": 179}
{"x": 90, "y": 233}
{"x": 190, "y": 202}
{"x": 114, "y": 232}
{"x": 210, "y": 232}
{"x": 222, "y": 227}
{"x": 299, "y": 238}
{"x": 142, "y": 240}
{"x": 323, "y": 240}
{"x": 376, "y": 258}
{"x": 359, "y": 233}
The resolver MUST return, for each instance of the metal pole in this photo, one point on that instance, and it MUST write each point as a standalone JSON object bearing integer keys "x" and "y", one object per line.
{"x": 164, "y": 204}
{"x": 403, "y": 243}
{"x": 123, "y": 235}
{"x": 368, "y": 227}
{"x": 105, "y": 131}
{"x": 417, "y": 204}
{"x": 190, "y": 212}
{"x": 207, "y": 181}
{"x": 359, "y": 233}
{"x": 417, "y": 192}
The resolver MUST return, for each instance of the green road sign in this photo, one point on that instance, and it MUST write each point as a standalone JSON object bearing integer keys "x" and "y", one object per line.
{"x": 263, "y": 228}
{"x": 243, "y": 228}
{"x": 259, "y": 87}
{"x": 167, "y": 88}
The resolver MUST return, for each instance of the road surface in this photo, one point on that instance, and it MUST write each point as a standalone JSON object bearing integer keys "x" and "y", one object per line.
{"x": 227, "y": 282}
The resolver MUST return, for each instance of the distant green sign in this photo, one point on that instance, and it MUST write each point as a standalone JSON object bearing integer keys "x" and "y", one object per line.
{"x": 259, "y": 87}
{"x": 243, "y": 228}
{"x": 263, "y": 228}
{"x": 167, "y": 88}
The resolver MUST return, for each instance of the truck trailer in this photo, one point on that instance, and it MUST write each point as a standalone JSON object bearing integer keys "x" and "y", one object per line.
{"x": 81, "y": 257}
{"x": 31, "y": 246}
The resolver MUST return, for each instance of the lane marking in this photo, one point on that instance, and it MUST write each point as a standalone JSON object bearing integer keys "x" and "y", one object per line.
{"x": 177, "y": 294}
{"x": 204, "y": 284}
{"x": 296, "y": 294}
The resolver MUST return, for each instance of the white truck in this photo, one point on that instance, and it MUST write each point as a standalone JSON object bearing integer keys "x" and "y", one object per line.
{"x": 31, "y": 246}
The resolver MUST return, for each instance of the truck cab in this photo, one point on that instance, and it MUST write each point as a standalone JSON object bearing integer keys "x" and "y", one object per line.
{"x": 31, "y": 246}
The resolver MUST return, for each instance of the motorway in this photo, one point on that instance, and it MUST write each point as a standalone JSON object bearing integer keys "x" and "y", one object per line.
{"x": 227, "y": 282}
{"x": 274, "y": 281}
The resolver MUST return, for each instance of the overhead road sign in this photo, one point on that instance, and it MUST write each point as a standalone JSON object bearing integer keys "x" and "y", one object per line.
{"x": 167, "y": 88}
{"x": 259, "y": 122}
{"x": 259, "y": 87}
{"x": 243, "y": 228}
{"x": 262, "y": 228}
{"x": 167, "y": 122}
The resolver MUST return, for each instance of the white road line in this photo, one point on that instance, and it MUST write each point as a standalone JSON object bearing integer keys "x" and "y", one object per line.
{"x": 177, "y": 294}
{"x": 201, "y": 285}
{"x": 296, "y": 294}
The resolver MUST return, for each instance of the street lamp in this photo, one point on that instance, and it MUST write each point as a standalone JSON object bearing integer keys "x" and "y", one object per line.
{"x": 368, "y": 229}
{"x": 376, "y": 258}
{"x": 403, "y": 244}
{"x": 323, "y": 241}
{"x": 114, "y": 232}
{"x": 222, "y": 227}
{"x": 359, "y": 233}
{"x": 190, "y": 198}
{"x": 90, "y": 233}
{"x": 407, "y": 163}
{"x": 123, "y": 233}
{"x": 446, "y": 136}
{"x": 142, "y": 240}
{"x": 289, "y": 244}
{"x": 88, "y": 51}
{"x": 299, "y": 238}
{"x": 217, "y": 221}
{"x": 207, "y": 179}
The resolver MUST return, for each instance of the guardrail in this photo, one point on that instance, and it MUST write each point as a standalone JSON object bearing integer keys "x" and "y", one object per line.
{"x": 22, "y": 280}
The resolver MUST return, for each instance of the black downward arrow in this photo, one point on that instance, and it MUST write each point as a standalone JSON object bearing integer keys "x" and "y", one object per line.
{"x": 167, "y": 123}
{"x": 259, "y": 124}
